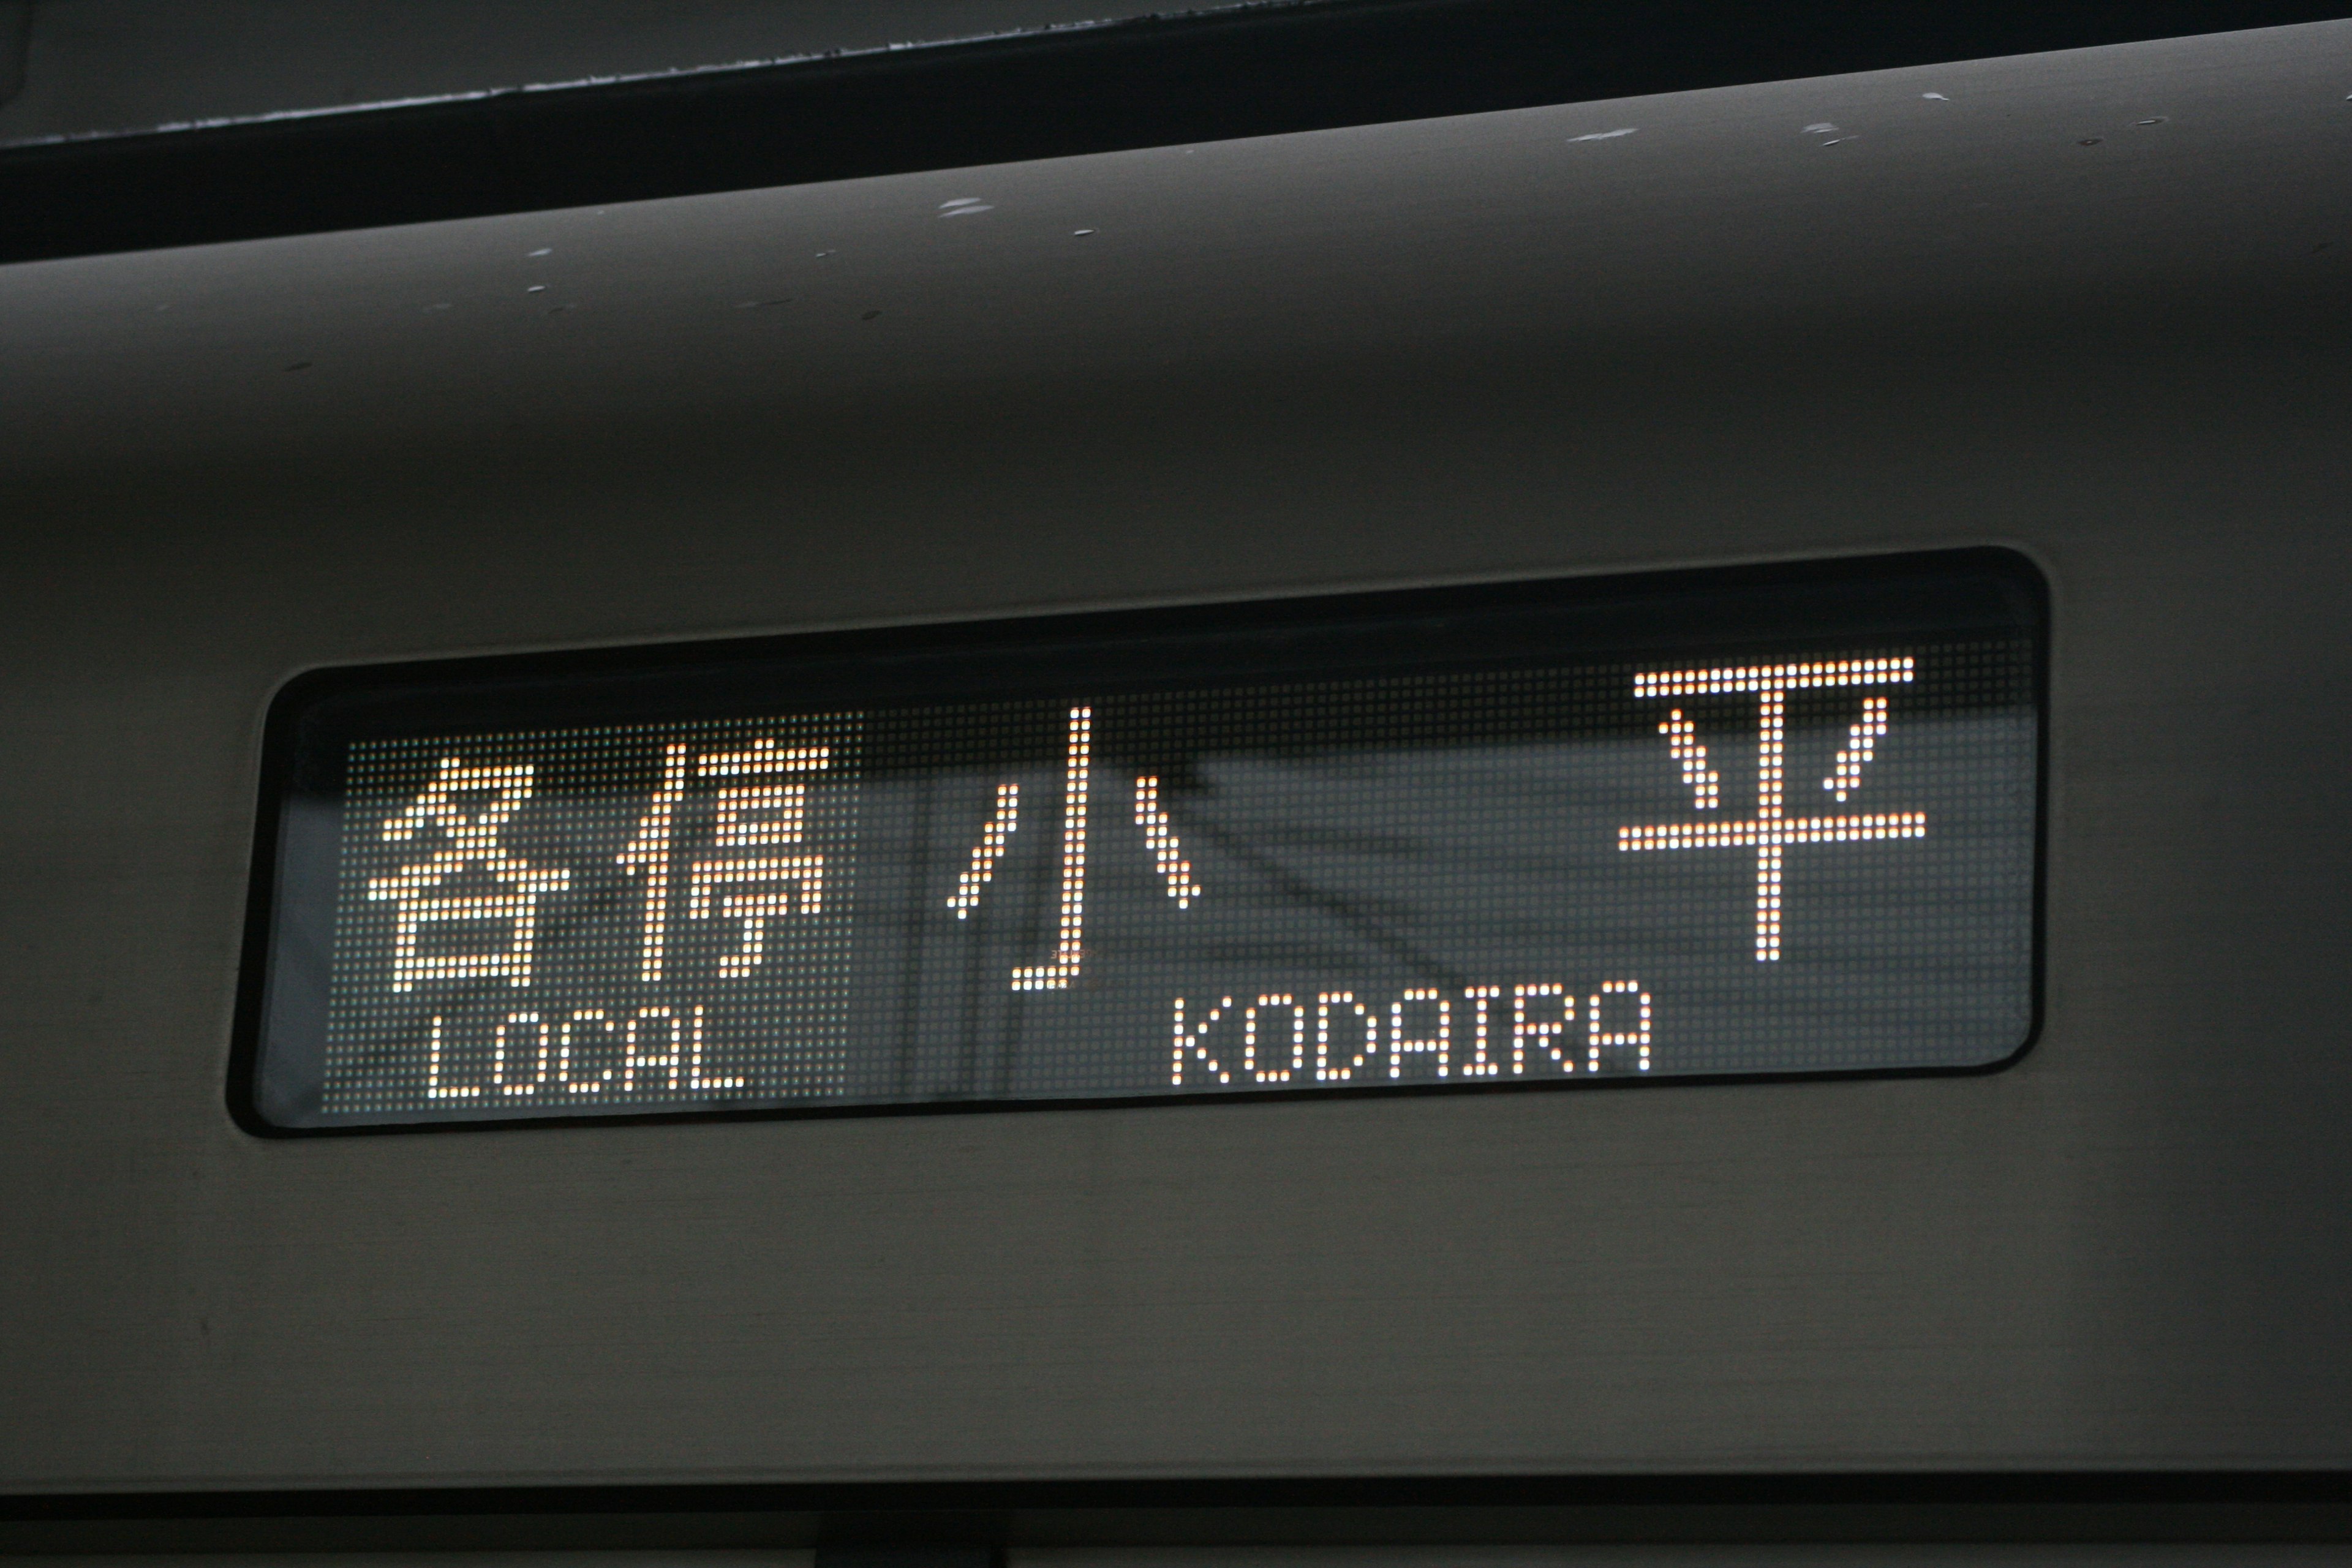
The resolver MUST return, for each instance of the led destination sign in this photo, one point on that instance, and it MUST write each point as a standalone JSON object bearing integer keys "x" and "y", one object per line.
{"x": 1548, "y": 833}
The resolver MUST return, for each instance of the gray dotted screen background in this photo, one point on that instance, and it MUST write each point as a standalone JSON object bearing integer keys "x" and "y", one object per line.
{"x": 1337, "y": 885}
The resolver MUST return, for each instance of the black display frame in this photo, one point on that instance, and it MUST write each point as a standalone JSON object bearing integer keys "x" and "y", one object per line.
{"x": 311, "y": 717}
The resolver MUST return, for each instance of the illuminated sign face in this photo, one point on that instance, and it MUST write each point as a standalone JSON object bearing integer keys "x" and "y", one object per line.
{"x": 1535, "y": 835}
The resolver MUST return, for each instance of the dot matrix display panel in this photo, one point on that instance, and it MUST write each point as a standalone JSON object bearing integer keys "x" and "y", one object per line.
{"x": 1702, "y": 825}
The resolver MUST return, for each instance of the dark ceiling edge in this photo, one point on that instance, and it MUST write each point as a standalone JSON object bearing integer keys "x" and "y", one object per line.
{"x": 1151, "y": 81}
{"x": 671, "y": 74}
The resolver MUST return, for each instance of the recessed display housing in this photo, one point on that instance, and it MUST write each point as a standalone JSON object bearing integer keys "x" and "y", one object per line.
{"x": 1698, "y": 825}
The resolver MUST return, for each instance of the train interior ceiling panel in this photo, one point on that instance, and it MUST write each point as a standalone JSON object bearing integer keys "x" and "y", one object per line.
{"x": 1380, "y": 782}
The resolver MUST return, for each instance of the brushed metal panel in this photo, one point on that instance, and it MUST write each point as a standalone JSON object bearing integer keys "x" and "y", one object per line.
{"x": 773, "y": 1558}
{"x": 2137, "y": 1556}
{"x": 2092, "y": 306}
